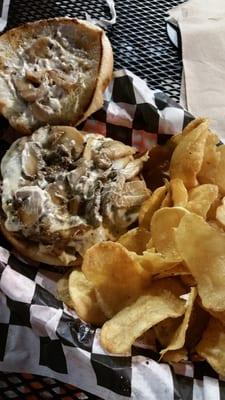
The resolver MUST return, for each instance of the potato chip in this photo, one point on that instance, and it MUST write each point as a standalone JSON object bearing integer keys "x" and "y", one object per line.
{"x": 201, "y": 198}
{"x": 84, "y": 299}
{"x": 220, "y": 315}
{"x": 211, "y": 214}
{"x": 150, "y": 206}
{"x": 173, "y": 284}
{"x": 167, "y": 201}
{"x": 63, "y": 290}
{"x": 149, "y": 246}
{"x": 216, "y": 225}
{"x": 210, "y": 160}
{"x": 178, "y": 269}
{"x": 135, "y": 240}
{"x": 104, "y": 303}
{"x": 197, "y": 324}
{"x": 175, "y": 139}
{"x": 117, "y": 277}
{"x": 178, "y": 339}
{"x": 147, "y": 340}
{"x": 219, "y": 178}
{"x": 202, "y": 247}
{"x": 176, "y": 195}
{"x": 155, "y": 305}
{"x": 188, "y": 280}
{"x": 156, "y": 168}
{"x": 165, "y": 330}
{"x": 154, "y": 263}
{"x": 213, "y": 167}
{"x": 220, "y": 213}
{"x": 175, "y": 356}
{"x": 212, "y": 346}
{"x": 163, "y": 283}
{"x": 162, "y": 229}
{"x": 187, "y": 157}
{"x": 192, "y": 125}
{"x": 179, "y": 193}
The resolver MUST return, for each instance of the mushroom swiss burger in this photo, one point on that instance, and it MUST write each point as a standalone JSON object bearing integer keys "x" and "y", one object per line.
{"x": 62, "y": 190}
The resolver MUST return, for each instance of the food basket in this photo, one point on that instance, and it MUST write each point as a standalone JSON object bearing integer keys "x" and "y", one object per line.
{"x": 39, "y": 334}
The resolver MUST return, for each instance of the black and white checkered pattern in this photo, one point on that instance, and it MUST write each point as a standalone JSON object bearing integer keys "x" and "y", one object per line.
{"x": 40, "y": 335}
{"x": 135, "y": 114}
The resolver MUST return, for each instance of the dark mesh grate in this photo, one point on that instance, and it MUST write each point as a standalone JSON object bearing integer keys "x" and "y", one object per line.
{"x": 139, "y": 37}
{"x": 34, "y": 387}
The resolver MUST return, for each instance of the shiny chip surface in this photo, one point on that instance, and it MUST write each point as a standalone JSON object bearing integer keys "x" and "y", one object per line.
{"x": 179, "y": 193}
{"x": 201, "y": 198}
{"x": 178, "y": 339}
{"x": 163, "y": 225}
{"x": 202, "y": 247}
{"x": 212, "y": 345}
{"x": 135, "y": 240}
{"x": 117, "y": 277}
{"x": 188, "y": 156}
{"x": 150, "y": 206}
{"x": 63, "y": 290}
{"x": 84, "y": 299}
{"x": 156, "y": 304}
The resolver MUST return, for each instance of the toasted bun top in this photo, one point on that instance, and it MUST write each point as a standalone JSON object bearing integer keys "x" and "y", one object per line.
{"x": 53, "y": 71}
{"x": 63, "y": 191}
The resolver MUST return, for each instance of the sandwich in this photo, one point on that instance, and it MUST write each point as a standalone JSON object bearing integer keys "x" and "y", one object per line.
{"x": 53, "y": 72}
{"x": 64, "y": 190}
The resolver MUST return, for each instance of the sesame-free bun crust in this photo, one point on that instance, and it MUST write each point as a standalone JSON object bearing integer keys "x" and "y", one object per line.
{"x": 32, "y": 250}
{"x": 69, "y": 64}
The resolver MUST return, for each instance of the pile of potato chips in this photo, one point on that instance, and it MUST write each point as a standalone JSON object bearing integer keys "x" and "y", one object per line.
{"x": 163, "y": 283}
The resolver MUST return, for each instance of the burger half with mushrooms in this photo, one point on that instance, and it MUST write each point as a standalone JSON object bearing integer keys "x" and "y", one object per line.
{"x": 53, "y": 72}
{"x": 64, "y": 190}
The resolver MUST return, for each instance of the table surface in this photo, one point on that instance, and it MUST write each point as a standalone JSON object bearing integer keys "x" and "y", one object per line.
{"x": 141, "y": 44}
{"x": 139, "y": 37}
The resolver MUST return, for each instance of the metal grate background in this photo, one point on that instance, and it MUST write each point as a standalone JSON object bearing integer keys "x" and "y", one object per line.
{"x": 139, "y": 36}
{"x": 34, "y": 387}
{"x": 140, "y": 44}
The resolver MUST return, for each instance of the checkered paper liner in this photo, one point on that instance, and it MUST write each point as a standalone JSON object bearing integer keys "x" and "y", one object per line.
{"x": 41, "y": 335}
